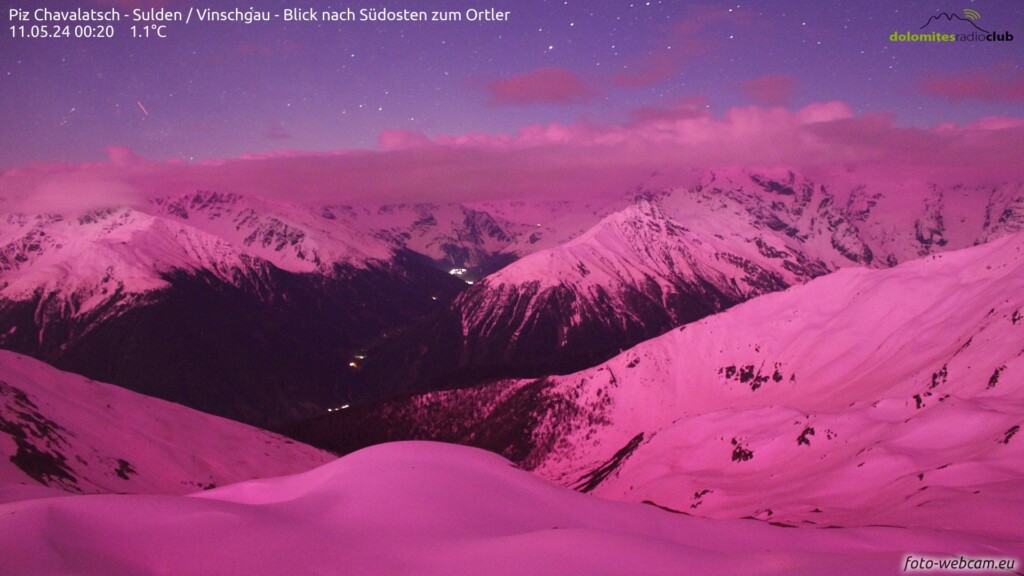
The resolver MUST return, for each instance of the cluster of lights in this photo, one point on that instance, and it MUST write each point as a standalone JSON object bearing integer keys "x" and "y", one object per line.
{"x": 460, "y": 272}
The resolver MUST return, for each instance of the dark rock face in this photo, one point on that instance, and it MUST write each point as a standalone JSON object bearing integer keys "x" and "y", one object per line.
{"x": 593, "y": 479}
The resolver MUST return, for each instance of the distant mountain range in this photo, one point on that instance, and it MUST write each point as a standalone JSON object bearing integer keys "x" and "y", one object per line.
{"x": 269, "y": 313}
{"x": 672, "y": 257}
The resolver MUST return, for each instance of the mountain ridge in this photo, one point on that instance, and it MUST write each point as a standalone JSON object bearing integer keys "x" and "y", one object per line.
{"x": 363, "y": 302}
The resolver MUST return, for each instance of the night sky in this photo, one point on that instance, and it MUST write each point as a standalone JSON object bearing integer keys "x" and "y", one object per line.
{"x": 225, "y": 90}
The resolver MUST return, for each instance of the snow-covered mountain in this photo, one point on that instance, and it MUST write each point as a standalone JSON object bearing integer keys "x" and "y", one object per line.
{"x": 72, "y": 434}
{"x": 423, "y": 508}
{"x": 634, "y": 275}
{"x": 283, "y": 310}
{"x": 676, "y": 256}
{"x": 865, "y": 397}
{"x": 232, "y": 305}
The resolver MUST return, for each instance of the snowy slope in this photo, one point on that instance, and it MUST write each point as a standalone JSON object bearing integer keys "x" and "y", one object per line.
{"x": 422, "y": 508}
{"x": 865, "y": 397}
{"x": 634, "y": 275}
{"x": 70, "y": 433}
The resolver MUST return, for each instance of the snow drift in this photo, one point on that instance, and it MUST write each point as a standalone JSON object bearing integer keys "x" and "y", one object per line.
{"x": 422, "y": 508}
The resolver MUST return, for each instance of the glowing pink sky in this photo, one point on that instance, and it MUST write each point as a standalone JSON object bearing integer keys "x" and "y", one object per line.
{"x": 565, "y": 97}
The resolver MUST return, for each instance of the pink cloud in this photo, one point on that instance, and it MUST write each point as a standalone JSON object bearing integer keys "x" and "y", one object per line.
{"x": 543, "y": 86}
{"x": 399, "y": 139}
{"x": 993, "y": 84}
{"x": 121, "y": 155}
{"x": 557, "y": 160}
{"x": 276, "y": 131}
{"x": 693, "y": 107}
{"x": 650, "y": 70}
{"x": 771, "y": 89}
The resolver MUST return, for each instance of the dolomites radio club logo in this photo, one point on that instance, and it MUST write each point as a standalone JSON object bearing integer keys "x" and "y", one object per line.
{"x": 953, "y": 27}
